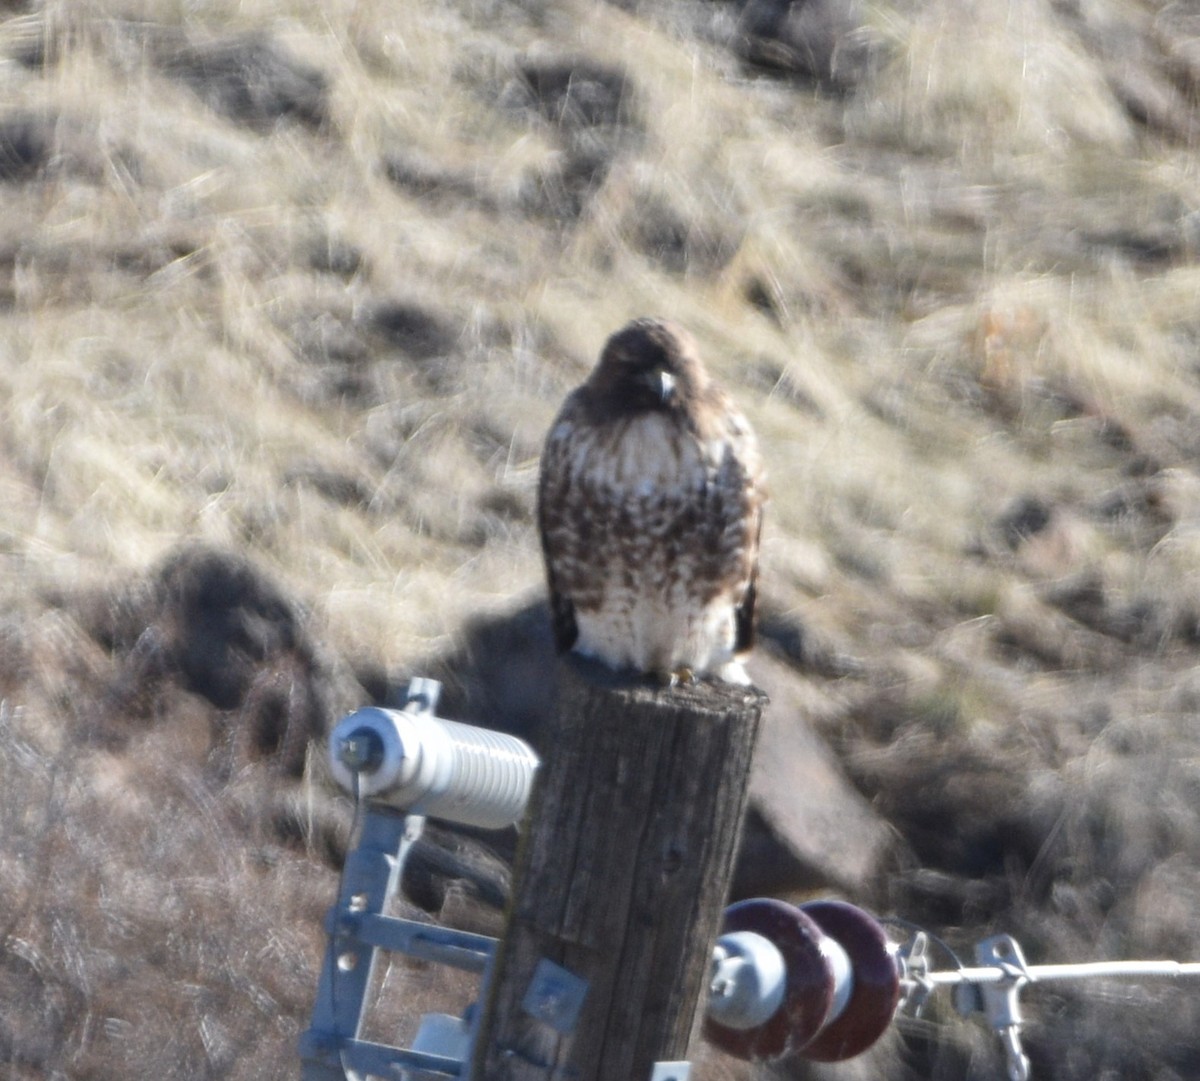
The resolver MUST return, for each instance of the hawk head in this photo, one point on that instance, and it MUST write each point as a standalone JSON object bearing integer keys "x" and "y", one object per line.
{"x": 648, "y": 365}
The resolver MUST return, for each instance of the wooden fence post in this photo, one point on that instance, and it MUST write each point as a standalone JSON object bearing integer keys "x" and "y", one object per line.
{"x": 623, "y": 871}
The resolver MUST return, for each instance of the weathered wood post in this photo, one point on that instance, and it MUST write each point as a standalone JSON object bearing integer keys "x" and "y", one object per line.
{"x": 623, "y": 871}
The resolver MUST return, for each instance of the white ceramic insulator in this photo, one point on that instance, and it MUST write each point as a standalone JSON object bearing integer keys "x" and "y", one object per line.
{"x": 843, "y": 975}
{"x": 748, "y": 980}
{"x": 443, "y": 769}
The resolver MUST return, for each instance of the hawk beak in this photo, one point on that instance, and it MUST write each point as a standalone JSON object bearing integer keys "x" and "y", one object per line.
{"x": 657, "y": 384}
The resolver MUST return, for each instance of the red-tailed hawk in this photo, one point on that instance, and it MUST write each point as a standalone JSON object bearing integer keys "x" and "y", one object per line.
{"x": 650, "y": 506}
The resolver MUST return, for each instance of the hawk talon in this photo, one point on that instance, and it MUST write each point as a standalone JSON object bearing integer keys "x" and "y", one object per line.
{"x": 676, "y": 676}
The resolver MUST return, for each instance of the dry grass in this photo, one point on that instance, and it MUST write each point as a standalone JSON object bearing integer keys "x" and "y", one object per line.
{"x": 306, "y": 282}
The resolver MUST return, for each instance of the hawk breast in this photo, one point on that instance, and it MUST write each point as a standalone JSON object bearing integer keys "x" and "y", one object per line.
{"x": 650, "y": 533}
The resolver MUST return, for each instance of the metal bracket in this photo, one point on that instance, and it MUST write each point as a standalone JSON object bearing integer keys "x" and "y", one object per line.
{"x": 421, "y": 695}
{"x": 915, "y": 959}
{"x": 555, "y": 996}
{"x": 358, "y": 930}
{"x": 671, "y": 1071}
{"x": 331, "y": 1049}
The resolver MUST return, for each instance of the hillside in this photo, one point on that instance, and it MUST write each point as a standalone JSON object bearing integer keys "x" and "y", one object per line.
{"x": 289, "y": 293}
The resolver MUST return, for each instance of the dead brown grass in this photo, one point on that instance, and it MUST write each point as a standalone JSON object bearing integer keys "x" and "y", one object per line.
{"x": 302, "y": 284}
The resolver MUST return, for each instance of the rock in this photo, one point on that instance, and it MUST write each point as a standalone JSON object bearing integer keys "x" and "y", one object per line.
{"x": 808, "y": 827}
{"x": 209, "y": 624}
{"x": 827, "y": 41}
{"x": 26, "y": 144}
{"x": 415, "y": 330}
{"x": 250, "y": 79}
{"x": 574, "y": 92}
{"x": 591, "y": 109}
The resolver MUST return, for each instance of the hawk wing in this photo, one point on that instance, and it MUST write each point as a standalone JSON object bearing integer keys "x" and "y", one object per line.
{"x": 742, "y": 486}
{"x": 554, "y": 514}
{"x": 744, "y": 612}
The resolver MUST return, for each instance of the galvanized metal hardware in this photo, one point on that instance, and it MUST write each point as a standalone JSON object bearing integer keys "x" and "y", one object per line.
{"x": 375, "y": 756}
{"x": 555, "y": 996}
{"x": 671, "y": 1071}
{"x": 1001, "y": 1001}
{"x": 993, "y": 987}
{"x": 357, "y": 930}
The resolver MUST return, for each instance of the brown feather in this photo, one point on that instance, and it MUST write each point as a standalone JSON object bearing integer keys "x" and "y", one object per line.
{"x": 650, "y": 509}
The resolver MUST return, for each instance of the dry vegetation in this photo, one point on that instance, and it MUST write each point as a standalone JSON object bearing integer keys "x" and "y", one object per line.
{"x": 288, "y": 294}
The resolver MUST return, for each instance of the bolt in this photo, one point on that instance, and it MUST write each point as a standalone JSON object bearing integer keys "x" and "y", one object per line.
{"x": 361, "y": 751}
